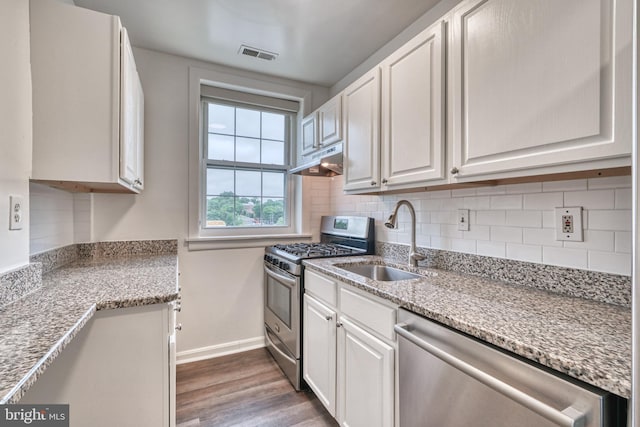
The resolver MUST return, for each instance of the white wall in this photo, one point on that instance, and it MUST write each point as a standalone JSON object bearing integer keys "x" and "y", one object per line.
{"x": 15, "y": 128}
{"x": 512, "y": 221}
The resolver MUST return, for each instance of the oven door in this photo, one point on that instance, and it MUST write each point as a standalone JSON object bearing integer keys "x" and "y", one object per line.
{"x": 282, "y": 307}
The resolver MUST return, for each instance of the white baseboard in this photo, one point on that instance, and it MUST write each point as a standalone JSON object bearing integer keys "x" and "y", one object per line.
{"x": 218, "y": 350}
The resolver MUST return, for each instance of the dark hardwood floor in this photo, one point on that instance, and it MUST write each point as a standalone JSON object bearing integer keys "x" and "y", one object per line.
{"x": 244, "y": 389}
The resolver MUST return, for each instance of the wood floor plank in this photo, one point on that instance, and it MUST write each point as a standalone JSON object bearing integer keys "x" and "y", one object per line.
{"x": 246, "y": 389}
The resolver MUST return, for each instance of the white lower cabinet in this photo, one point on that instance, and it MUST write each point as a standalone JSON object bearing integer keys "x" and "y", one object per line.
{"x": 319, "y": 348}
{"x": 349, "y": 353}
{"x": 365, "y": 379}
{"x": 118, "y": 370}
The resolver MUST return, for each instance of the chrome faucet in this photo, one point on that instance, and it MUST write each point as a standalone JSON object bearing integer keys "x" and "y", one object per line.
{"x": 391, "y": 222}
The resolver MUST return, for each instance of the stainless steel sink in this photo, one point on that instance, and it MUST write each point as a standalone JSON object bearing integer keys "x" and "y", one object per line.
{"x": 382, "y": 273}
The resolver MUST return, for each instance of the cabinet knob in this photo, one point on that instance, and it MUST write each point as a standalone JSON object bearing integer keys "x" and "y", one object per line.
{"x": 179, "y": 327}
{"x": 373, "y": 183}
{"x": 137, "y": 182}
{"x": 384, "y": 180}
{"x": 454, "y": 170}
{"x": 329, "y": 317}
{"x": 339, "y": 325}
{"x": 178, "y": 308}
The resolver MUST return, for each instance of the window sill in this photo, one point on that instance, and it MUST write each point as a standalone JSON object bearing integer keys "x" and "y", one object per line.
{"x": 235, "y": 242}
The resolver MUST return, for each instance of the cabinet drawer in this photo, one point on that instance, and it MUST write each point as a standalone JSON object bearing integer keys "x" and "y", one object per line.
{"x": 321, "y": 286}
{"x": 375, "y": 316}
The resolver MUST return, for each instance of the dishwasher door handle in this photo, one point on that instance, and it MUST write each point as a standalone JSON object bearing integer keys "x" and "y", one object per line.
{"x": 569, "y": 417}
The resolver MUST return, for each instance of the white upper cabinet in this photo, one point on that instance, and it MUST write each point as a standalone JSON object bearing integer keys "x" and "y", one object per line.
{"x": 330, "y": 121}
{"x": 361, "y": 121}
{"x": 87, "y": 101}
{"x": 309, "y": 134}
{"x": 540, "y": 86}
{"x": 413, "y": 88}
{"x": 131, "y": 118}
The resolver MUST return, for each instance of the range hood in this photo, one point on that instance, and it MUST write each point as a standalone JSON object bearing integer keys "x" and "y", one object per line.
{"x": 325, "y": 162}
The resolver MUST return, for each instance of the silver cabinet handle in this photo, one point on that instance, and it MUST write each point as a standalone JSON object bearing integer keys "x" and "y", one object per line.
{"x": 384, "y": 180}
{"x": 454, "y": 170}
{"x": 179, "y": 327}
{"x": 373, "y": 183}
{"x": 329, "y": 317}
{"x": 178, "y": 308}
{"x": 339, "y": 325}
{"x": 569, "y": 417}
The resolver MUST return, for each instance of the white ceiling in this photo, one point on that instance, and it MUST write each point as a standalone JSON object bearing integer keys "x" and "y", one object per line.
{"x": 318, "y": 41}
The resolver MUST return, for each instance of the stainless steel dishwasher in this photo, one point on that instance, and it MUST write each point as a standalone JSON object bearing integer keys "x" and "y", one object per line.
{"x": 448, "y": 379}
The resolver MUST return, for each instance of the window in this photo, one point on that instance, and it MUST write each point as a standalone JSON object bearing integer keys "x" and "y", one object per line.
{"x": 246, "y": 156}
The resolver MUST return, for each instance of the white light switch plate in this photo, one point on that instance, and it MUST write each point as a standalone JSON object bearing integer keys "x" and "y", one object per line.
{"x": 463, "y": 219}
{"x": 569, "y": 224}
{"x": 16, "y": 212}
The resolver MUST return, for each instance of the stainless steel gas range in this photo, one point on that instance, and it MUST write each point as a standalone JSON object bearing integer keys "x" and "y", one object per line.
{"x": 284, "y": 284}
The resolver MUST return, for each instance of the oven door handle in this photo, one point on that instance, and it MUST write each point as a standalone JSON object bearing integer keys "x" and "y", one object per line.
{"x": 273, "y": 345}
{"x": 279, "y": 277}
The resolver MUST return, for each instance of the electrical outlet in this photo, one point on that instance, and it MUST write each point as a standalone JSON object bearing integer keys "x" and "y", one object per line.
{"x": 569, "y": 224}
{"x": 16, "y": 216}
{"x": 463, "y": 219}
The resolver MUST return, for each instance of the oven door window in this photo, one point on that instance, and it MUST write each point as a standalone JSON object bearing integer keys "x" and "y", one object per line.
{"x": 279, "y": 300}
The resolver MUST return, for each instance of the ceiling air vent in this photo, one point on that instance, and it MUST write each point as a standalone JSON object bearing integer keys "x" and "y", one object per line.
{"x": 257, "y": 53}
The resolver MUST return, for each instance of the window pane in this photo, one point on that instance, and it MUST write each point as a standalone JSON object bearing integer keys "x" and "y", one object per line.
{"x": 219, "y": 182}
{"x": 247, "y": 150}
{"x": 273, "y": 126}
{"x": 248, "y": 183}
{"x": 220, "y": 147}
{"x": 272, "y": 212}
{"x": 273, "y": 152}
{"x": 248, "y": 123}
{"x": 273, "y": 184}
{"x": 245, "y": 211}
{"x": 220, "y": 211}
{"x": 221, "y": 119}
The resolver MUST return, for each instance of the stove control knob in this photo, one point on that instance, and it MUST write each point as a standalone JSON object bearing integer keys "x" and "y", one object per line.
{"x": 266, "y": 258}
{"x": 274, "y": 261}
{"x": 284, "y": 265}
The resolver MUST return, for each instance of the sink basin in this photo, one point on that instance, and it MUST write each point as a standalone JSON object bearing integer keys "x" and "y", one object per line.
{"x": 382, "y": 273}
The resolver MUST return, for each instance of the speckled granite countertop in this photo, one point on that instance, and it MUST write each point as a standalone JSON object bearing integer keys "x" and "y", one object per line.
{"x": 585, "y": 339}
{"x": 38, "y": 326}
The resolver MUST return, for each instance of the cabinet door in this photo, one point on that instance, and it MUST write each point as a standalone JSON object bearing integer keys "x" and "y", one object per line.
{"x": 129, "y": 115}
{"x": 366, "y": 379}
{"x": 362, "y": 134}
{"x": 540, "y": 85}
{"x": 413, "y": 85}
{"x": 309, "y": 135}
{"x": 319, "y": 351}
{"x": 330, "y": 121}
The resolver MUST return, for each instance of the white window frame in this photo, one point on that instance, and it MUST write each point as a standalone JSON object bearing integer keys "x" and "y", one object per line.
{"x": 201, "y": 238}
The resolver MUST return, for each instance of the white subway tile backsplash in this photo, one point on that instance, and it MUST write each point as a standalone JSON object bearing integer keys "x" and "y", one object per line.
{"x": 609, "y": 262}
{"x": 513, "y": 221}
{"x": 506, "y": 202}
{"x": 524, "y": 218}
{"x": 570, "y": 185}
{"x": 592, "y": 199}
{"x": 477, "y": 203}
{"x": 594, "y": 240}
{"x": 623, "y": 241}
{"x": 497, "y": 217}
{"x": 540, "y": 236}
{"x": 610, "y": 220}
{"x": 528, "y": 253}
{"x": 462, "y": 245}
{"x": 543, "y": 201}
{"x": 488, "y": 191}
{"x": 623, "y": 198}
{"x": 565, "y": 257}
{"x": 529, "y": 187}
{"x": 478, "y": 232}
{"x": 506, "y": 234}
{"x": 610, "y": 182}
{"x": 494, "y": 249}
